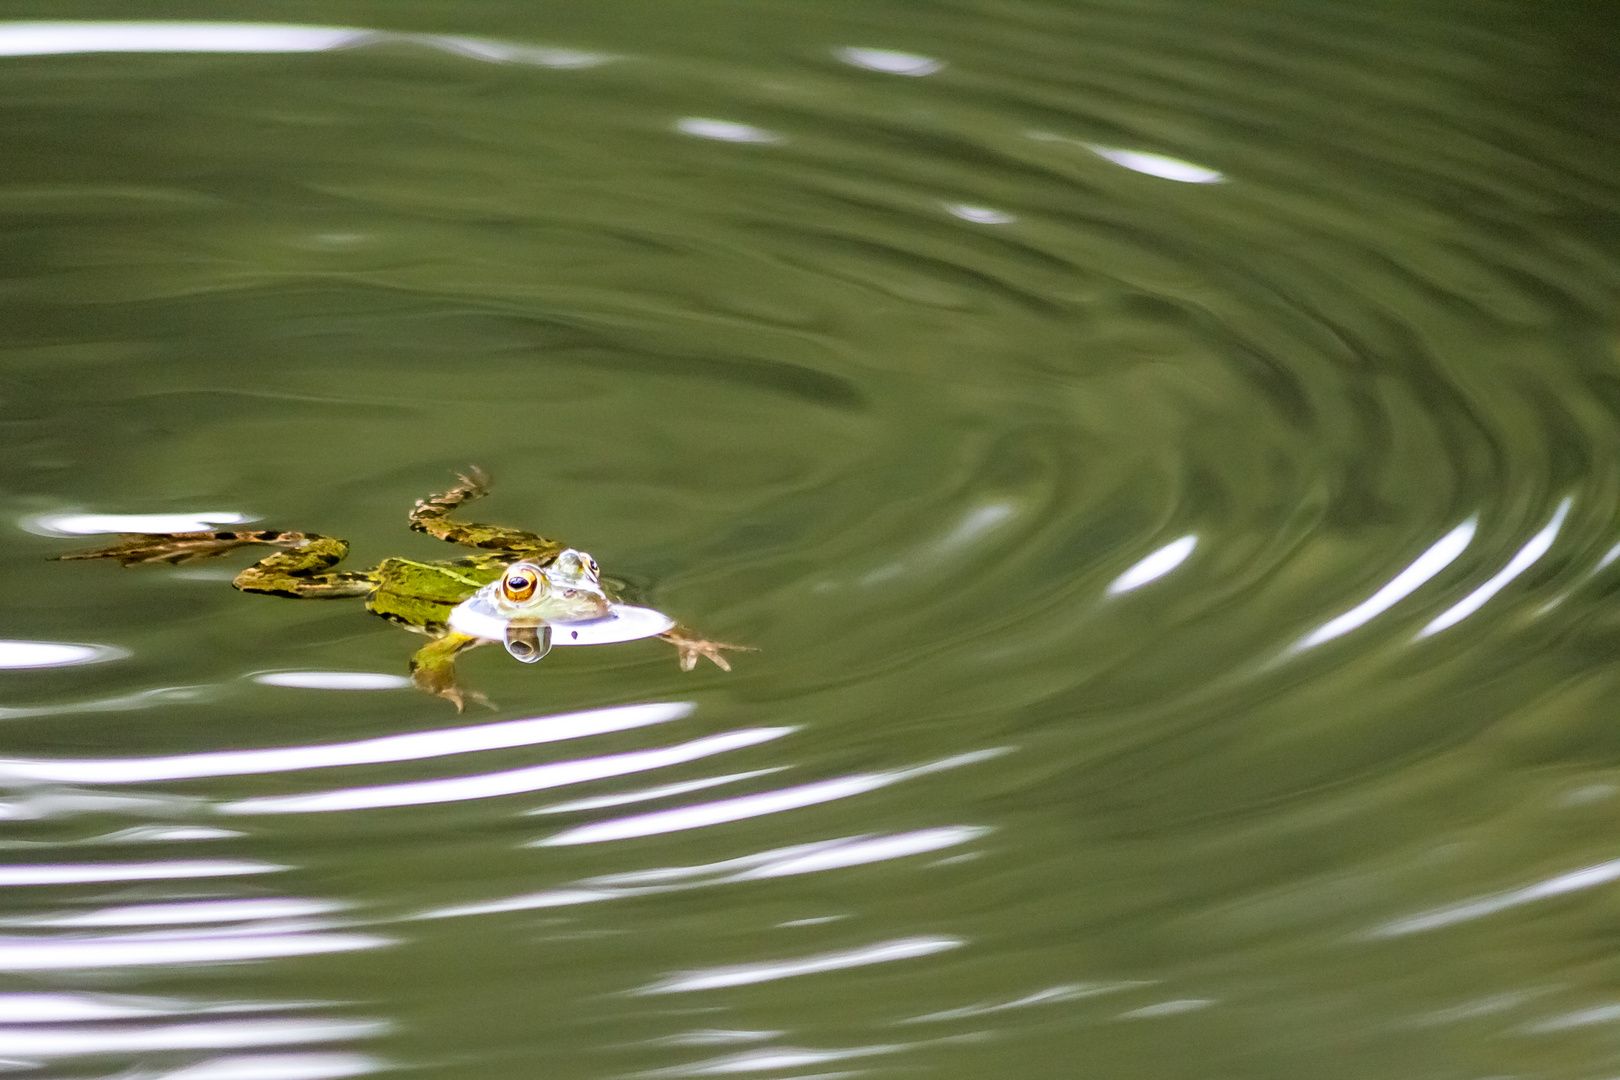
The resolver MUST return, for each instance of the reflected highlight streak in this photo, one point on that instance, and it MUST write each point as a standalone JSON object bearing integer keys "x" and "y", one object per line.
{"x": 602, "y": 802}
{"x": 56, "y": 38}
{"x": 59, "y": 38}
{"x": 130, "y": 950}
{"x": 888, "y": 61}
{"x": 279, "y": 1067}
{"x": 187, "y": 912}
{"x": 512, "y": 782}
{"x": 1441, "y": 554}
{"x": 412, "y": 747}
{"x": 725, "y": 130}
{"x": 1538, "y": 546}
{"x": 333, "y": 680}
{"x": 773, "y": 1059}
{"x": 69, "y": 1008}
{"x": 1155, "y": 566}
{"x": 68, "y": 874}
{"x": 94, "y": 524}
{"x": 770, "y": 970}
{"x": 1165, "y": 168}
{"x": 749, "y": 806}
{"x": 980, "y": 215}
{"x": 1585, "y": 878}
{"x": 48, "y": 654}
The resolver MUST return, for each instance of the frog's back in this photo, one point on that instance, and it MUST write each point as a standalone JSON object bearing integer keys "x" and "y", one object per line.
{"x": 422, "y": 594}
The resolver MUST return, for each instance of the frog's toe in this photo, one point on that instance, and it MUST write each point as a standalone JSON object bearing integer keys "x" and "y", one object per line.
{"x": 460, "y": 698}
{"x": 691, "y": 648}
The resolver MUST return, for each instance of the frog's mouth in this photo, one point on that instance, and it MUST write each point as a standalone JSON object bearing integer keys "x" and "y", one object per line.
{"x": 529, "y": 639}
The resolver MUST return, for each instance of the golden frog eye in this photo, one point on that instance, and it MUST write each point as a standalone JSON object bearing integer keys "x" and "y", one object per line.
{"x": 519, "y": 585}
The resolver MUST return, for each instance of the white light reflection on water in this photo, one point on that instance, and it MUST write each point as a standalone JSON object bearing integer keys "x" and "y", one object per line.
{"x": 860, "y": 850}
{"x": 57, "y": 38}
{"x": 45, "y": 804}
{"x": 749, "y": 806}
{"x": 184, "y": 912}
{"x": 1537, "y": 546}
{"x": 148, "y": 950}
{"x": 772, "y": 1059}
{"x": 511, "y": 782}
{"x": 1439, "y": 555}
{"x": 717, "y": 978}
{"x": 1575, "y": 880}
{"x": 1154, "y": 566}
{"x": 333, "y": 680}
{"x": 48, "y": 654}
{"x": 889, "y": 62}
{"x": 1160, "y": 165}
{"x": 724, "y": 130}
{"x": 413, "y": 747}
{"x": 980, "y": 215}
{"x": 278, "y": 1067}
{"x": 96, "y": 524}
{"x": 158, "y": 834}
{"x": 601, "y": 802}
{"x": 777, "y": 862}
{"x": 73, "y": 874}
{"x": 68, "y": 1008}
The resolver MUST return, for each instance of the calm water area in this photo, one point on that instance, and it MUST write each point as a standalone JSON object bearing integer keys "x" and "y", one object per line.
{"x": 1164, "y": 452}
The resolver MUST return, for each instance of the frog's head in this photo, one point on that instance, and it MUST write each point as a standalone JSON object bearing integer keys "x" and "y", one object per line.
{"x": 529, "y": 598}
{"x": 566, "y": 590}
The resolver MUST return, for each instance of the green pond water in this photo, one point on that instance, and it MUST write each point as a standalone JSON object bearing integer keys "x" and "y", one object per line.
{"x": 1165, "y": 454}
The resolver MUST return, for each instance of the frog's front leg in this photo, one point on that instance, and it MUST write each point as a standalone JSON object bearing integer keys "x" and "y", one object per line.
{"x": 433, "y": 669}
{"x": 432, "y": 516}
{"x": 692, "y": 646}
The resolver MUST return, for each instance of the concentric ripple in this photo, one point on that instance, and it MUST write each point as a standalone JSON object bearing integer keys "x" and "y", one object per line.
{"x": 1165, "y": 455}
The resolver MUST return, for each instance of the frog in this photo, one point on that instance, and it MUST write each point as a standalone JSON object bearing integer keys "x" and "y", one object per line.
{"x": 531, "y": 582}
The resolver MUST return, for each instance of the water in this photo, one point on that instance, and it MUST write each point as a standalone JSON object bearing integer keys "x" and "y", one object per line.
{"x": 1164, "y": 455}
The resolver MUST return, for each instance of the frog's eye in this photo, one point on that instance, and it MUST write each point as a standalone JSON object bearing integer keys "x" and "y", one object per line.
{"x": 590, "y": 566}
{"x": 519, "y": 584}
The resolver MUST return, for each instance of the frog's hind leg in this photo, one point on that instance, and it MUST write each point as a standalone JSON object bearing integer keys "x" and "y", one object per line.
{"x": 433, "y": 669}
{"x": 135, "y": 549}
{"x": 432, "y": 516}
{"x": 296, "y": 570}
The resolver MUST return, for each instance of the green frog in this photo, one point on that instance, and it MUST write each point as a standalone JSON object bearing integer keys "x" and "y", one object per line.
{"x": 530, "y": 585}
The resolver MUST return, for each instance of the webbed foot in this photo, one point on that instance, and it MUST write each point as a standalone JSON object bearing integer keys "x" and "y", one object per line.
{"x": 460, "y": 697}
{"x": 693, "y": 646}
{"x": 142, "y": 548}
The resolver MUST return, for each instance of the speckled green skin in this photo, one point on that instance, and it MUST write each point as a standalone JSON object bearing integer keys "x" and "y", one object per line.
{"x": 422, "y": 595}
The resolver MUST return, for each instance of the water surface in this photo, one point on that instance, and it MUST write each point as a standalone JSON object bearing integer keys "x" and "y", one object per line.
{"x": 1164, "y": 454}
